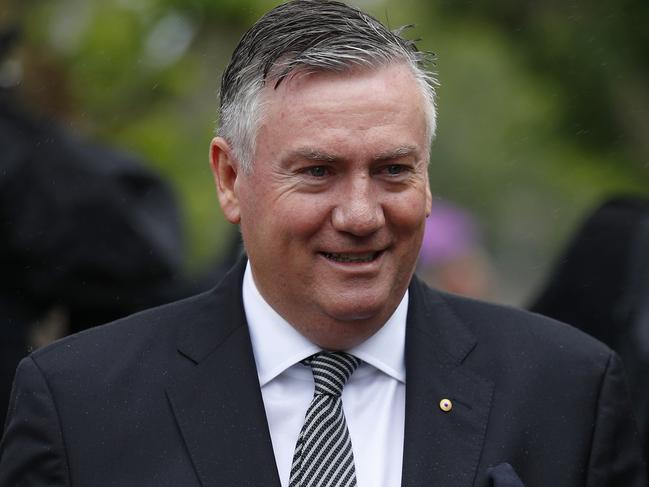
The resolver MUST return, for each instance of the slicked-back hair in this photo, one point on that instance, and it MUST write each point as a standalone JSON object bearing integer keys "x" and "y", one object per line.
{"x": 306, "y": 36}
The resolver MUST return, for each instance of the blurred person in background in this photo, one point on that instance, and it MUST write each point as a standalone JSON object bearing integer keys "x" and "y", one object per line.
{"x": 600, "y": 284}
{"x": 452, "y": 256}
{"x": 87, "y": 234}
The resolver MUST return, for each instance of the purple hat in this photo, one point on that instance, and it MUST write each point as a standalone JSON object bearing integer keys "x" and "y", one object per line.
{"x": 450, "y": 232}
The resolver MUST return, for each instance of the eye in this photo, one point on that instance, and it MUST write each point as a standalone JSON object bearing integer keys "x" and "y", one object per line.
{"x": 317, "y": 171}
{"x": 397, "y": 171}
{"x": 394, "y": 169}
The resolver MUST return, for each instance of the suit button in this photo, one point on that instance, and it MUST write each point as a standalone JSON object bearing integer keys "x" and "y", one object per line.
{"x": 445, "y": 405}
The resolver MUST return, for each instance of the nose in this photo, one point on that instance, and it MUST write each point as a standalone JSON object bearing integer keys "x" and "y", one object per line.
{"x": 358, "y": 210}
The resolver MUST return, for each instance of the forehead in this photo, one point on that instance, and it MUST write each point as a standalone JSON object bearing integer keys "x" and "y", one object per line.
{"x": 306, "y": 82}
{"x": 357, "y": 100}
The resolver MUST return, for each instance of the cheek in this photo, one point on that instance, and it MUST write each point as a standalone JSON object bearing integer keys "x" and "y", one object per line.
{"x": 302, "y": 215}
{"x": 251, "y": 201}
{"x": 407, "y": 214}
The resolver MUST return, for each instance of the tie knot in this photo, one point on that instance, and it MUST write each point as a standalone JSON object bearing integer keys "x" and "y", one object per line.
{"x": 331, "y": 370}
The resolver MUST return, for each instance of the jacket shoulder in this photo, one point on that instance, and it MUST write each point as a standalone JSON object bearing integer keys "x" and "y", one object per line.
{"x": 150, "y": 332}
{"x": 504, "y": 332}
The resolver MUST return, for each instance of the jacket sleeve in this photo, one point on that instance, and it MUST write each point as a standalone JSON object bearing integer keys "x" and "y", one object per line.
{"x": 32, "y": 451}
{"x": 616, "y": 455}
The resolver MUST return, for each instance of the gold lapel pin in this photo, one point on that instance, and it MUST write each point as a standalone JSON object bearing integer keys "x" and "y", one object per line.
{"x": 445, "y": 405}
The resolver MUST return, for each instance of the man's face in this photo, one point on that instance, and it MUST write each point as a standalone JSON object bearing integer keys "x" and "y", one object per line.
{"x": 332, "y": 214}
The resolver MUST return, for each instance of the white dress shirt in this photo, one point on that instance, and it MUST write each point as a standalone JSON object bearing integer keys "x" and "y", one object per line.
{"x": 373, "y": 398}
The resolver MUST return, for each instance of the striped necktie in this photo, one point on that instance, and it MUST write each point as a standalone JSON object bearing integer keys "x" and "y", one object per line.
{"x": 323, "y": 453}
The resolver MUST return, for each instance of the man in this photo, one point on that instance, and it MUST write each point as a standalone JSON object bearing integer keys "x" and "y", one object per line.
{"x": 326, "y": 120}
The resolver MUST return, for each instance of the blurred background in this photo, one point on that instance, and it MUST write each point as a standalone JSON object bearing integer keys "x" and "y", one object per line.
{"x": 544, "y": 105}
{"x": 107, "y": 204}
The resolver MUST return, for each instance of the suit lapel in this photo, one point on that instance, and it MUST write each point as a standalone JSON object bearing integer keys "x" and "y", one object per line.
{"x": 215, "y": 394}
{"x": 441, "y": 448}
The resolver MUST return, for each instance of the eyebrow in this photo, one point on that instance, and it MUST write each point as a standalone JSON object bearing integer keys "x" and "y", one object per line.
{"x": 316, "y": 155}
{"x": 398, "y": 153}
{"x": 391, "y": 154}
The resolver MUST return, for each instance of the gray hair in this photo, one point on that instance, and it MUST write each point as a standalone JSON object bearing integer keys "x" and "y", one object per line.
{"x": 308, "y": 36}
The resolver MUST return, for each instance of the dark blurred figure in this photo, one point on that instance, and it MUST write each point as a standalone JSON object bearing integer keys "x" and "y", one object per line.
{"x": 601, "y": 285}
{"x": 87, "y": 235}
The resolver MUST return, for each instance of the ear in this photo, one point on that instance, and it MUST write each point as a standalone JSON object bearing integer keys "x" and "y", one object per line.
{"x": 225, "y": 169}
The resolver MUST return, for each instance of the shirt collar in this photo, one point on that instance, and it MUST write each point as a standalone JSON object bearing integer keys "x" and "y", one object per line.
{"x": 277, "y": 345}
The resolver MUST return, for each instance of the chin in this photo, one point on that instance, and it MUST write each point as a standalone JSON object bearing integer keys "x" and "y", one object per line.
{"x": 348, "y": 324}
{"x": 356, "y": 295}
{"x": 356, "y": 309}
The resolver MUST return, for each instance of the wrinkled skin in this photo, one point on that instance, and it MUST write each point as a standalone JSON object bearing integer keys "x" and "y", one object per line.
{"x": 332, "y": 214}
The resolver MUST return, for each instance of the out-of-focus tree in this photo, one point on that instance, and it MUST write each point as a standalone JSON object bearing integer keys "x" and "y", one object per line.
{"x": 543, "y": 105}
{"x": 596, "y": 53}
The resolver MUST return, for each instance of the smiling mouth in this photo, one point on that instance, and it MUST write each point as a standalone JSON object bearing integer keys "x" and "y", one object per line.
{"x": 352, "y": 258}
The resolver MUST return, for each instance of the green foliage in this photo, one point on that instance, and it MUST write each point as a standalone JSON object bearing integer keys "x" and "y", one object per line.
{"x": 544, "y": 106}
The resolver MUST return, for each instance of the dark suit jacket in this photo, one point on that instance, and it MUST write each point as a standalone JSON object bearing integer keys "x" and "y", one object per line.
{"x": 170, "y": 397}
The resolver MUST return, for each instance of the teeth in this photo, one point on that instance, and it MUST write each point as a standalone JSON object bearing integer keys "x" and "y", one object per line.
{"x": 368, "y": 257}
